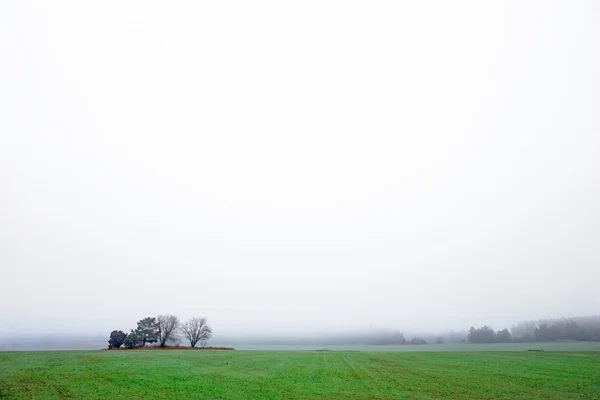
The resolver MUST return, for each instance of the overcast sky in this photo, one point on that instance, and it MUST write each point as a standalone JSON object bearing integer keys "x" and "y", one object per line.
{"x": 298, "y": 166}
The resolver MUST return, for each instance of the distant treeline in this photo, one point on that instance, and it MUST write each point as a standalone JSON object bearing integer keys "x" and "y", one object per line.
{"x": 371, "y": 337}
{"x": 576, "y": 328}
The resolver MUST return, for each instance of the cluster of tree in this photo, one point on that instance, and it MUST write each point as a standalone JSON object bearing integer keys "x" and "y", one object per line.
{"x": 162, "y": 329}
{"x": 524, "y": 331}
{"x": 486, "y": 334}
{"x": 576, "y": 328}
{"x": 566, "y": 329}
{"x": 447, "y": 337}
{"x": 417, "y": 340}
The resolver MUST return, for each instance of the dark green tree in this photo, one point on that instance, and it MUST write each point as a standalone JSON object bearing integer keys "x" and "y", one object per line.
{"x": 132, "y": 340}
{"x": 116, "y": 339}
{"x": 544, "y": 333}
{"x": 485, "y": 334}
{"x": 147, "y": 330}
{"x": 574, "y": 331}
{"x": 503, "y": 336}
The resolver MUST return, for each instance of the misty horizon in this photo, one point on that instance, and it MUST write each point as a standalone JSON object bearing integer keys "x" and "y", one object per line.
{"x": 520, "y": 332}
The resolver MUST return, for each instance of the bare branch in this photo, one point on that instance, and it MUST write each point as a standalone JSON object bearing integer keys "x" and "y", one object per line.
{"x": 168, "y": 327}
{"x": 197, "y": 330}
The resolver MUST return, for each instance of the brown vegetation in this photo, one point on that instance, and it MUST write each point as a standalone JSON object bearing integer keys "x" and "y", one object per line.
{"x": 173, "y": 348}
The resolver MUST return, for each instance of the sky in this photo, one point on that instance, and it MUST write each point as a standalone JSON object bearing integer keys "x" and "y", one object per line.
{"x": 297, "y": 167}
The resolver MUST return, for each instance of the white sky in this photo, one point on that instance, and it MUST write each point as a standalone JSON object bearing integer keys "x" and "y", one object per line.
{"x": 298, "y": 166}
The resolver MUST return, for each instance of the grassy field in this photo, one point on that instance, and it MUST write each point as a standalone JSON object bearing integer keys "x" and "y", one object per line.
{"x": 462, "y": 347}
{"x": 181, "y": 374}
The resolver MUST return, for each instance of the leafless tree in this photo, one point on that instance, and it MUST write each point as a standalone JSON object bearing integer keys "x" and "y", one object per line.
{"x": 197, "y": 330}
{"x": 168, "y": 327}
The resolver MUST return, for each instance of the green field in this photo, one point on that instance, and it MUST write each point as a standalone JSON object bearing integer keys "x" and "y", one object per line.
{"x": 180, "y": 374}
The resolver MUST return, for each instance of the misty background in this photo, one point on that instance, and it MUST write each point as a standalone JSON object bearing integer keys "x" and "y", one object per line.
{"x": 297, "y": 169}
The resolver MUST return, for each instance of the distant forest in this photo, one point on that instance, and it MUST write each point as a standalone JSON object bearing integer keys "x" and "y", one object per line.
{"x": 576, "y": 328}
{"x": 545, "y": 330}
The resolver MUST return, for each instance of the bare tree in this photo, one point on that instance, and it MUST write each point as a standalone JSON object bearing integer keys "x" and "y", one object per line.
{"x": 168, "y": 327}
{"x": 197, "y": 330}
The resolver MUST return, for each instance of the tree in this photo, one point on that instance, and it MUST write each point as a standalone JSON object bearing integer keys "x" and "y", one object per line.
{"x": 439, "y": 340}
{"x": 575, "y": 331}
{"x": 116, "y": 339}
{"x": 168, "y": 326}
{"x": 485, "y": 334}
{"x": 197, "y": 330}
{"x": 503, "y": 336}
{"x": 523, "y": 331}
{"x": 418, "y": 340}
{"x": 398, "y": 338}
{"x": 147, "y": 330}
{"x": 543, "y": 333}
{"x": 132, "y": 340}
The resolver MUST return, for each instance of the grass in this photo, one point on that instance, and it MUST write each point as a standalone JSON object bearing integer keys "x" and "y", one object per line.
{"x": 181, "y": 374}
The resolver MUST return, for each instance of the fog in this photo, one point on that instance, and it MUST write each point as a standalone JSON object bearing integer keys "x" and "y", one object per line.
{"x": 291, "y": 169}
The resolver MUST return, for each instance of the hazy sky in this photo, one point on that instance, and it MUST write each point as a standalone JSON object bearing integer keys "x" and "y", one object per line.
{"x": 298, "y": 166}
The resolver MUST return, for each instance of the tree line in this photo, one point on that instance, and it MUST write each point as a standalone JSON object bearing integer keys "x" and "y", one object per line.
{"x": 577, "y": 328}
{"x": 162, "y": 330}
{"x": 486, "y": 334}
